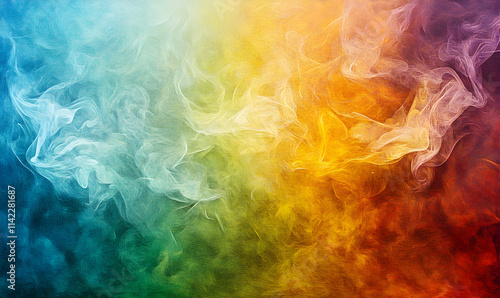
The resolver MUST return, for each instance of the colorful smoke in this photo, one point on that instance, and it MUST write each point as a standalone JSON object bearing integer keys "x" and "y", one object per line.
{"x": 248, "y": 148}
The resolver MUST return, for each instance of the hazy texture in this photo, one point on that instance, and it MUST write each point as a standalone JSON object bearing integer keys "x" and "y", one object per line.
{"x": 252, "y": 148}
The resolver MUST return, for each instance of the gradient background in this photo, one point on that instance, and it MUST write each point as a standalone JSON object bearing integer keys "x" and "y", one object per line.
{"x": 247, "y": 148}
